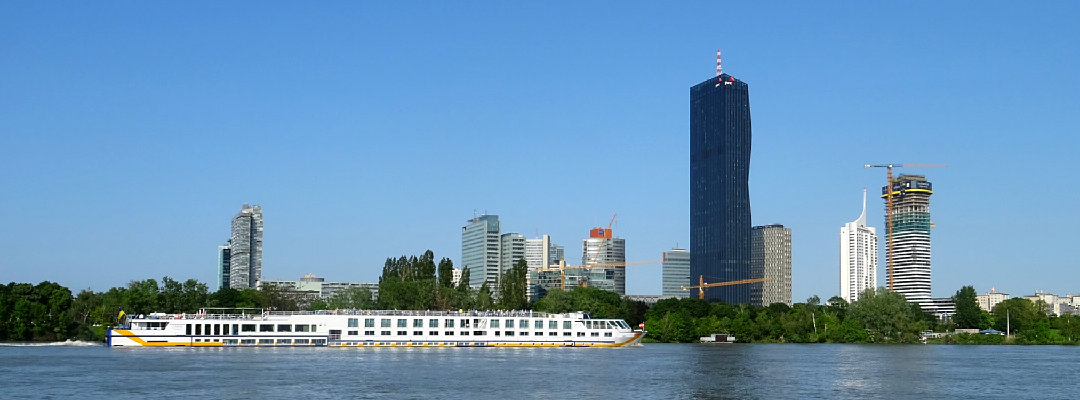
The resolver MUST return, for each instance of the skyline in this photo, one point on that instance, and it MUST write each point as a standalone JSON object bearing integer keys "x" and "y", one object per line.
{"x": 370, "y": 132}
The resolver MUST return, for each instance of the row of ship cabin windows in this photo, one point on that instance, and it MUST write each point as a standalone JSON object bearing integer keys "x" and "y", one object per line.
{"x": 235, "y": 329}
{"x": 266, "y": 342}
{"x": 493, "y": 323}
{"x": 336, "y": 334}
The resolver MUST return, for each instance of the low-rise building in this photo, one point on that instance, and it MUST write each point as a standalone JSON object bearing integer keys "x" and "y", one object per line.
{"x": 988, "y": 300}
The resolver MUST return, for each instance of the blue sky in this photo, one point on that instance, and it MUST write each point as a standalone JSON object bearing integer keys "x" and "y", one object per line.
{"x": 131, "y": 132}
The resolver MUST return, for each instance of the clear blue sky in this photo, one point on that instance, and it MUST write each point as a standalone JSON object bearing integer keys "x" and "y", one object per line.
{"x": 131, "y": 133}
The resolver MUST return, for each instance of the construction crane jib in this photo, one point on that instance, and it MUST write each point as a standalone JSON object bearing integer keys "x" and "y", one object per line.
{"x": 889, "y": 208}
{"x": 702, "y": 285}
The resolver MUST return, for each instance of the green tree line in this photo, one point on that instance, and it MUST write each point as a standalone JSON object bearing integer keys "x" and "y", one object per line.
{"x": 49, "y": 312}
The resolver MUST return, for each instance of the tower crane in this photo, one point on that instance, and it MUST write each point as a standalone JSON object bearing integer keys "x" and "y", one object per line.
{"x": 889, "y": 208}
{"x": 702, "y": 285}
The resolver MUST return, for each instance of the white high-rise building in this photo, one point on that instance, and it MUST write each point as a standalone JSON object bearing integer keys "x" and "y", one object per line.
{"x": 858, "y": 256}
{"x": 676, "y": 274}
{"x": 245, "y": 248}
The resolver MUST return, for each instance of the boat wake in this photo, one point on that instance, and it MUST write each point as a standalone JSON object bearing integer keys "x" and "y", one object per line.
{"x": 68, "y": 343}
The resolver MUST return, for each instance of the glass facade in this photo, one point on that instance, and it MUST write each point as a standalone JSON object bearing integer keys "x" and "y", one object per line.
{"x": 719, "y": 187}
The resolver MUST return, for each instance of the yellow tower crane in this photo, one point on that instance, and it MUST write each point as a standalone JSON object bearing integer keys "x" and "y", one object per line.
{"x": 702, "y": 285}
{"x": 889, "y": 209}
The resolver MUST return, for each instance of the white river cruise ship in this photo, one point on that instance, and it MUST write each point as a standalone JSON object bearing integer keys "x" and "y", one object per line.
{"x": 371, "y": 328}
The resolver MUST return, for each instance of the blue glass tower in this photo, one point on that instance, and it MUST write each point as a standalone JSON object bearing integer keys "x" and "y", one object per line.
{"x": 719, "y": 188}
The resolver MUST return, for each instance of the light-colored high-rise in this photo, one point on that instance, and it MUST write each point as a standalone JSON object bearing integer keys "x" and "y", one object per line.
{"x": 480, "y": 243}
{"x": 858, "y": 256}
{"x": 511, "y": 249}
{"x": 770, "y": 258}
{"x": 542, "y": 253}
{"x": 676, "y": 273}
{"x": 601, "y": 248}
{"x": 245, "y": 248}
{"x": 910, "y": 238}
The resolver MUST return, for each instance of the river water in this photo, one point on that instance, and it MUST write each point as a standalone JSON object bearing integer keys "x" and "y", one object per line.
{"x": 653, "y": 371}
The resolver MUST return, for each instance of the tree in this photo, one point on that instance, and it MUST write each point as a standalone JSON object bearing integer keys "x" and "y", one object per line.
{"x": 512, "y": 288}
{"x": 358, "y": 297}
{"x": 887, "y": 315}
{"x": 446, "y": 273}
{"x": 968, "y": 314}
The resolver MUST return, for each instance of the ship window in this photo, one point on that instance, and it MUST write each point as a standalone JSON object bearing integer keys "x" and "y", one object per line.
{"x": 284, "y": 341}
{"x": 464, "y": 323}
{"x": 231, "y": 342}
{"x": 607, "y": 334}
{"x": 284, "y": 328}
{"x": 301, "y": 328}
{"x": 433, "y": 333}
{"x": 509, "y": 323}
{"x": 494, "y": 323}
{"x": 449, "y": 323}
{"x": 498, "y": 333}
{"x": 198, "y": 329}
{"x": 523, "y": 333}
{"x": 217, "y": 329}
{"x": 354, "y": 322}
{"x": 266, "y": 341}
{"x": 188, "y": 330}
{"x": 595, "y": 334}
{"x": 302, "y": 341}
{"x": 384, "y": 333}
{"x": 369, "y": 322}
{"x": 433, "y": 323}
{"x": 385, "y": 322}
{"x": 464, "y": 333}
{"x": 566, "y": 324}
{"x": 369, "y": 333}
{"x": 523, "y": 323}
{"x": 418, "y": 333}
{"x": 338, "y": 332}
{"x": 235, "y": 329}
{"x": 581, "y": 334}
{"x": 553, "y": 324}
{"x": 417, "y": 323}
{"x": 247, "y": 341}
{"x": 479, "y": 333}
{"x": 402, "y": 333}
{"x": 509, "y": 333}
{"x": 449, "y": 333}
{"x": 318, "y": 342}
{"x": 402, "y": 322}
{"x": 566, "y": 333}
{"x": 266, "y": 328}
{"x": 538, "y": 324}
{"x": 553, "y": 333}
{"x": 312, "y": 328}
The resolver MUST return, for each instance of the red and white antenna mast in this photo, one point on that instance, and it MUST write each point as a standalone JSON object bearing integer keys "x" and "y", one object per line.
{"x": 719, "y": 70}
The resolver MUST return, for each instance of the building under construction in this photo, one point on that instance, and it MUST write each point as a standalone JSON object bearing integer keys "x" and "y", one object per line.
{"x": 910, "y": 256}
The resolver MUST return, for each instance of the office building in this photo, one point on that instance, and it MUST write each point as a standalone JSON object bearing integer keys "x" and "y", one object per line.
{"x": 311, "y": 287}
{"x": 601, "y": 248}
{"x": 858, "y": 256}
{"x": 910, "y": 253}
{"x": 675, "y": 274}
{"x": 719, "y": 186}
{"x": 480, "y": 243}
{"x": 988, "y": 300}
{"x": 223, "y": 266}
{"x": 511, "y": 249}
{"x": 245, "y": 248}
{"x": 770, "y": 258}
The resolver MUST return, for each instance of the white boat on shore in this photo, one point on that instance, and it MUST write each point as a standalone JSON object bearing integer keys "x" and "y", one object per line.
{"x": 373, "y": 328}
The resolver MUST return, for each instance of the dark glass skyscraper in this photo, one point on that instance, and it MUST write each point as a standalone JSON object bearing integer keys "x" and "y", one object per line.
{"x": 719, "y": 188}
